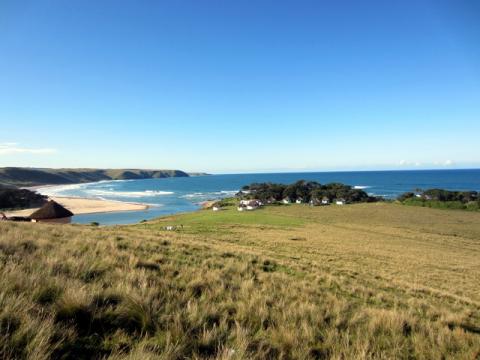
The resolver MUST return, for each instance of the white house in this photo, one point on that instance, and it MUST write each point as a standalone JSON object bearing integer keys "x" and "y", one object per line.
{"x": 299, "y": 200}
{"x": 286, "y": 200}
{"x": 216, "y": 207}
{"x": 340, "y": 202}
{"x": 250, "y": 204}
{"x": 325, "y": 200}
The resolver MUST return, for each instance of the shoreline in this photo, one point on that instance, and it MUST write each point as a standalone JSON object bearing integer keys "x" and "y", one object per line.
{"x": 82, "y": 206}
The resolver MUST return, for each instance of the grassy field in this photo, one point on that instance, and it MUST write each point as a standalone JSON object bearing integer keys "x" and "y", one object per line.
{"x": 363, "y": 281}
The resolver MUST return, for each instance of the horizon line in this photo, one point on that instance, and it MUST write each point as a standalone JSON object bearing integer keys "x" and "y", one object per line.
{"x": 334, "y": 171}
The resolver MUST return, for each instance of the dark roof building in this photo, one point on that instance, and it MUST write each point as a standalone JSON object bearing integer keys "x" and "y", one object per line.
{"x": 52, "y": 212}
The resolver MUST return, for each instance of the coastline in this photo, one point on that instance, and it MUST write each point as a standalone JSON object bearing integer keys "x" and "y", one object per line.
{"x": 80, "y": 206}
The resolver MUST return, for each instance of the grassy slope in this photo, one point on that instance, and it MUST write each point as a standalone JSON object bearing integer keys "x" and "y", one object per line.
{"x": 33, "y": 177}
{"x": 359, "y": 281}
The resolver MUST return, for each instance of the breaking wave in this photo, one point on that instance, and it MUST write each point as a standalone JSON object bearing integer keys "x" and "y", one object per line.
{"x": 127, "y": 194}
{"x": 202, "y": 196}
{"x": 361, "y": 187}
{"x": 98, "y": 190}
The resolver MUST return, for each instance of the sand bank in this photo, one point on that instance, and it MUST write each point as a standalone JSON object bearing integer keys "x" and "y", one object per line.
{"x": 86, "y": 206}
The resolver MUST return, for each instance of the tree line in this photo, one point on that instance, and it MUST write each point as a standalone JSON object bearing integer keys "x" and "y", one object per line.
{"x": 443, "y": 199}
{"x": 441, "y": 195}
{"x": 305, "y": 191}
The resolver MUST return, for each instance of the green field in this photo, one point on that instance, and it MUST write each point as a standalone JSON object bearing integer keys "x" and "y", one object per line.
{"x": 366, "y": 281}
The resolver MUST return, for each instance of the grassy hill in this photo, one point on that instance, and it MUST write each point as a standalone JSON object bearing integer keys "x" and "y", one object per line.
{"x": 33, "y": 177}
{"x": 362, "y": 281}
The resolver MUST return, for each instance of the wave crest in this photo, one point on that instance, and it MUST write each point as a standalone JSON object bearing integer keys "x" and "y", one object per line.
{"x": 361, "y": 187}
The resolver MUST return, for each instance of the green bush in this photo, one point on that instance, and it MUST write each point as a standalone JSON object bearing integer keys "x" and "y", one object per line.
{"x": 437, "y": 204}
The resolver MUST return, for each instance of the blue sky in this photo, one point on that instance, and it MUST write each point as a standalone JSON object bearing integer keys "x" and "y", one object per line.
{"x": 240, "y": 86}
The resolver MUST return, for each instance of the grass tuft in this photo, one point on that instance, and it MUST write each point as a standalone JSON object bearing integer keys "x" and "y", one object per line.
{"x": 47, "y": 294}
{"x": 147, "y": 265}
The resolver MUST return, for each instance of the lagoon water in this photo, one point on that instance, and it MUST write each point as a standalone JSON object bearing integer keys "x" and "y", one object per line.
{"x": 174, "y": 195}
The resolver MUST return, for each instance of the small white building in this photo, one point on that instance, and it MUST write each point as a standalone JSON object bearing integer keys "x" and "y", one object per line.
{"x": 286, "y": 200}
{"x": 325, "y": 200}
{"x": 340, "y": 202}
{"x": 216, "y": 207}
{"x": 249, "y": 204}
{"x": 252, "y": 206}
{"x": 299, "y": 200}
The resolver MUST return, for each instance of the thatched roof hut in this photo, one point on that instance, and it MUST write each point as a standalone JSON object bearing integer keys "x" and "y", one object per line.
{"x": 52, "y": 212}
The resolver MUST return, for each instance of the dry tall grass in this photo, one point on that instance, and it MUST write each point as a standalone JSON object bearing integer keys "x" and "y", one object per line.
{"x": 291, "y": 282}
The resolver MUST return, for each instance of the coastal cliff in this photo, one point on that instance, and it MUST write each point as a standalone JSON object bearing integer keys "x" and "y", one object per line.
{"x": 38, "y": 176}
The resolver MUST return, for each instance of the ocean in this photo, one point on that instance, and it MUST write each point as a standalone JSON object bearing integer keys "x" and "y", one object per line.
{"x": 174, "y": 195}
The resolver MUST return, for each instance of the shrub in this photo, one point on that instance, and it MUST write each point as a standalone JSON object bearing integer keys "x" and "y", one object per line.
{"x": 269, "y": 266}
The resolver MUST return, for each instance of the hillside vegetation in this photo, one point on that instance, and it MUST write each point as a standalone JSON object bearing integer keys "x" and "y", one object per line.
{"x": 442, "y": 199}
{"x": 13, "y": 198}
{"x": 33, "y": 177}
{"x": 364, "y": 281}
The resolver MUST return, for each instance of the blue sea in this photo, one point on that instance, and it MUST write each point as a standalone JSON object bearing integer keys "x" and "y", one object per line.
{"x": 175, "y": 195}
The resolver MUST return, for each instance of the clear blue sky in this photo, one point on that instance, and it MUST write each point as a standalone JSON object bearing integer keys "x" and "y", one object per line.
{"x": 235, "y": 86}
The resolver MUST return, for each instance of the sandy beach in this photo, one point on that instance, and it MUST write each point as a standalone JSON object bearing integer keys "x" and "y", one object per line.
{"x": 86, "y": 206}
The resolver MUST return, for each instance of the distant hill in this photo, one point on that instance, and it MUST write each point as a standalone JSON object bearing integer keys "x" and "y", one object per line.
{"x": 35, "y": 176}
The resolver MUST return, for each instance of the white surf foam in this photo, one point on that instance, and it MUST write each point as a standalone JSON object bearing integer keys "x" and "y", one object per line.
{"x": 99, "y": 192}
{"x": 127, "y": 194}
{"x": 199, "y": 196}
{"x": 361, "y": 187}
{"x": 58, "y": 190}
